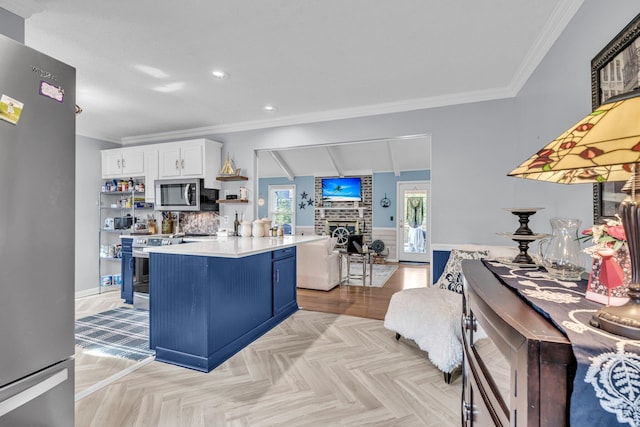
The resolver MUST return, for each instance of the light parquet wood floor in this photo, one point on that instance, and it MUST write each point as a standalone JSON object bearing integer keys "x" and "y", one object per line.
{"x": 314, "y": 369}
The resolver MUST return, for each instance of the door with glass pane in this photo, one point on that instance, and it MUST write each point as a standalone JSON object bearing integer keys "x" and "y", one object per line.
{"x": 413, "y": 221}
{"x": 282, "y": 204}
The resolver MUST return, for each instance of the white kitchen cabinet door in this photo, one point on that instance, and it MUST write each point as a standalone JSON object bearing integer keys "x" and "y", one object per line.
{"x": 122, "y": 163}
{"x": 182, "y": 160}
{"x": 111, "y": 163}
{"x": 132, "y": 162}
{"x": 192, "y": 160}
{"x": 170, "y": 161}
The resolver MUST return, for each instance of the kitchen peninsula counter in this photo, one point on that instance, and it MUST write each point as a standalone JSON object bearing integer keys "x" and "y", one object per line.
{"x": 233, "y": 247}
{"x": 210, "y": 299}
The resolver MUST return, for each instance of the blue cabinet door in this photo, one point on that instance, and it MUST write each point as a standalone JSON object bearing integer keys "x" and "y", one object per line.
{"x": 284, "y": 283}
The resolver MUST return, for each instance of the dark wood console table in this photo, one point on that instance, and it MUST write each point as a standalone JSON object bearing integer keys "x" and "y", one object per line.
{"x": 518, "y": 368}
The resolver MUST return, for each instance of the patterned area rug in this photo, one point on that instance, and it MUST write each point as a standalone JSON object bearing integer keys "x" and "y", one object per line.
{"x": 121, "y": 332}
{"x": 381, "y": 273}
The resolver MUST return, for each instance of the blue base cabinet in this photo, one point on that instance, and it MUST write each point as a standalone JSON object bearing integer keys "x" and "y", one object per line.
{"x": 284, "y": 275}
{"x": 126, "y": 290}
{"x": 203, "y": 309}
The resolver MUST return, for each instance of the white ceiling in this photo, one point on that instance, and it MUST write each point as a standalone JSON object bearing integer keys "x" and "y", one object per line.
{"x": 315, "y": 60}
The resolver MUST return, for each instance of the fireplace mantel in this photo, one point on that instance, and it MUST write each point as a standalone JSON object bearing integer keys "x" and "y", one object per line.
{"x": 359, "y": 209}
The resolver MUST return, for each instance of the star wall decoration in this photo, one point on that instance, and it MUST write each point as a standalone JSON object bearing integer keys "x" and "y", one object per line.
{"x": 301, "y": 205}
{"x": 304, "y": 195}
{"x": 310, "y": 202}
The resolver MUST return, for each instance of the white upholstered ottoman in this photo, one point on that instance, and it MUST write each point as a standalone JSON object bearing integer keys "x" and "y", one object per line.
{"x": 430, "y": 317}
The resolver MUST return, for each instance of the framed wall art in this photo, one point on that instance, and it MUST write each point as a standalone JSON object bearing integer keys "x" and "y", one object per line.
{"x": 614, "y": 70}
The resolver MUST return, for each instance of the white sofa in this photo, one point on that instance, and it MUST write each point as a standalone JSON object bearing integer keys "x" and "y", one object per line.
{"x": 318, "y": 266}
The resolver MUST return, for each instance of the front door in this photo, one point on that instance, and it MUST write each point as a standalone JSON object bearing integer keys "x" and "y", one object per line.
{"x": 413, "y": 221}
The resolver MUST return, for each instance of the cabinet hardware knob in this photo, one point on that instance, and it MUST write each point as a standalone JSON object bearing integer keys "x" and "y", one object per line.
{"x": 467, "y": 412}
{"x": 469, "y": 322}
{"x": 177, "y": 164}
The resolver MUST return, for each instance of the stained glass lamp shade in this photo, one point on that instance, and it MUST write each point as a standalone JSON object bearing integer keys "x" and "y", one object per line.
{"x": 604, "y": 146}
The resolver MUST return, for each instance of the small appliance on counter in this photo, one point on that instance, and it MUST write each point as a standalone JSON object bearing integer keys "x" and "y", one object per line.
{"x": 108, "y": 224}
{"x": 122, "y": 222}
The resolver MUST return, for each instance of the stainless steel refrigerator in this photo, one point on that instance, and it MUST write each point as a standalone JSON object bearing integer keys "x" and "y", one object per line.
{"x": 37, "y": 192}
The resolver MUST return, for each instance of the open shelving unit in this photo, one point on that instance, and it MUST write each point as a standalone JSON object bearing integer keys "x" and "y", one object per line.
{"x": 232, "y": 201}
{"x": 232, "y": 178}
{"x": 110, "y": 205}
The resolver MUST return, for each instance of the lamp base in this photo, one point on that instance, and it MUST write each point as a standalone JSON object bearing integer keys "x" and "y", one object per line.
{"x": 622, "y": 320}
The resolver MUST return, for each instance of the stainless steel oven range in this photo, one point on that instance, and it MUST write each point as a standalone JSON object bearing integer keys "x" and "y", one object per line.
{"x": 141, "y": 265}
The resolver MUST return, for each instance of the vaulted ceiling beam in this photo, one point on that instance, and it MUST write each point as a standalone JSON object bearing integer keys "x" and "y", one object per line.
{"x": 394, "y": 161}
{"x": 282, "y": 164}
{"x": 336, "y": 166}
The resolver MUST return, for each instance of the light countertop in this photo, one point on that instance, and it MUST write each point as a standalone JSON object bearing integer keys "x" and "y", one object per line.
{"x": 234, "y": 247}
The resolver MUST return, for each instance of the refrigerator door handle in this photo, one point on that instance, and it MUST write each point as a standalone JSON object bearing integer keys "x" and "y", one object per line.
{"x": 32, "y": 392}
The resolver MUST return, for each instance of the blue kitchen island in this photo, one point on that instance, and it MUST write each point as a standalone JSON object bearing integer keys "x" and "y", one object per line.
{"x": 208, "y": 300}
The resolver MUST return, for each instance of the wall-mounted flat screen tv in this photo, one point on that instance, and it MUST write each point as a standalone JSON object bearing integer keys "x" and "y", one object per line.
{"x": 341, "y": 189}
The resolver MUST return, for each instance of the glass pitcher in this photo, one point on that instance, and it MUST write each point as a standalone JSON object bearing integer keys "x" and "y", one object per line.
{"x": 561, "y": 254}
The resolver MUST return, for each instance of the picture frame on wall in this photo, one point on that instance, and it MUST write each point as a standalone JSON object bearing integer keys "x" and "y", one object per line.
{"x": 615, "y": 70}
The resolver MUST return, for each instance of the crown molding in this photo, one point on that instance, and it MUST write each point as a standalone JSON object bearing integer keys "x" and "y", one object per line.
{"x": 323, "y": 116}
{"x": 22, "y": 8}
{"x": 555, "y": 25}
{"x": 102, "y": 137}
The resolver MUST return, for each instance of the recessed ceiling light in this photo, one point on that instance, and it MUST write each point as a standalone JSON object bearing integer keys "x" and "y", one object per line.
{"x": 219, "y": 74}
{"x": 270, "y": 108}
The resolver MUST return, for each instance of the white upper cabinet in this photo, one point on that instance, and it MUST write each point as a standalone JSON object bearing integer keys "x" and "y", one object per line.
{"x": 197, "y": 158}
{"x": 122, "y": 162}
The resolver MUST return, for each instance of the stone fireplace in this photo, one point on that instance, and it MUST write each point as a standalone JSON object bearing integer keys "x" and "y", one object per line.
{"x": 345, "y": 214}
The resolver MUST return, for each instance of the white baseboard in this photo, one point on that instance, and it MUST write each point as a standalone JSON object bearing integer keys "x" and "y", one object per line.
{"x": 88, "y": 292}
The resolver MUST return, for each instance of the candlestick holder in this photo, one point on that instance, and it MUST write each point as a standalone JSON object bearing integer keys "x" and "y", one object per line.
{"x": 523, "y": 236}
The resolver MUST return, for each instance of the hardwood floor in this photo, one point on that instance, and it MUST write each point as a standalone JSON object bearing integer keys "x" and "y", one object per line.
{"x": 314, "y": 369}
{"x": 361, "y": 301}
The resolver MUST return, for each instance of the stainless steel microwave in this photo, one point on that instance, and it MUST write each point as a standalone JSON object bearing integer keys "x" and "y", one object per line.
{"x": 185, "y": 195}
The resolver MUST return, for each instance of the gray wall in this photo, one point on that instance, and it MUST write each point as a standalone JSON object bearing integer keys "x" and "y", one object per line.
{"x": 88, "y": 183}
{"x": 474, "y": 146}
{"x": 11, "y": 25}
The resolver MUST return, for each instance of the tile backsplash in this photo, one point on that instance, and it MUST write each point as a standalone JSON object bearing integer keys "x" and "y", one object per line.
{"x": 199, "y": 222}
